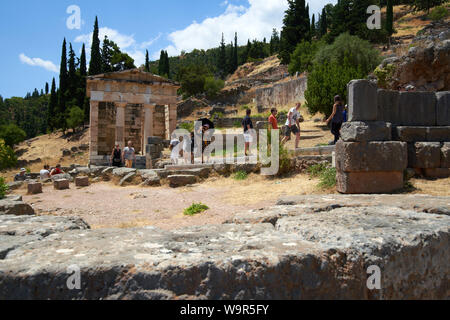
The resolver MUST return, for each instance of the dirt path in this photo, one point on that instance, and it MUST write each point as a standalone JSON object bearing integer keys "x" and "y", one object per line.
{"x": 105, "y": 205}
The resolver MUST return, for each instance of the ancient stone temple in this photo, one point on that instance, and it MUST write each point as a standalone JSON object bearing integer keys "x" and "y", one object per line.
{"x": 129, "y": 105}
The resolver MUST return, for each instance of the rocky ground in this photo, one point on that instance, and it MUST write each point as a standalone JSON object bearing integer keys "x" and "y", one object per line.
{"x": 318, "y": 249}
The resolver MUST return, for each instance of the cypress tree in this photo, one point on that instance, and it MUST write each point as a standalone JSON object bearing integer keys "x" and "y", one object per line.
{"x": 161, "y": 63}
{"x": 390, "y": 18}
{"x": 106, "y": 55}
{"x": 73, "y": 82}
{"x": 147, "y": 62}
{"x": 46, "y": 88}
{"x": 313, "y": 26}
{"x": 235, "y": 53}
{"x": 52, "y": 107}
{"x": 167, "y": 64}
{"x": 83, "y": 72}
{"x": 222, "y": 60}
{"x": 95, "y": 65}
{"x": 63, "y": 86}
{"x": 323, "y": 23}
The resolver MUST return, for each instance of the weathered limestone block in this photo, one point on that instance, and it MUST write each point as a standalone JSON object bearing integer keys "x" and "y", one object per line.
{"x": 34, "y": 187}
{"x": 10, "y": 206}
{"x": 198, "y": 172}
{"x": 181, "y": 180}
{"x": 61, "y": 184}
{"x": 363, "y": 101}
{"x": 410, "y": 134}
{"x": 65, "y": 176}
{"x": 122, "y": 172}
{"x": 425, "y": 155}
{"x": 417, "y": 109}
{"x": 445, "y": 155}
{"x": 358, "y": 131}
{"x": 128, "y": 178}
{"x": 369, "y": 182}
{"x": 324, "y": 255}
{"x": 82, "y": 181}
{"x": 371, "y": 156}
{"x": 443, "y": 108}
{"x": 388, "y": 109}
{"x": 437, "y": 173}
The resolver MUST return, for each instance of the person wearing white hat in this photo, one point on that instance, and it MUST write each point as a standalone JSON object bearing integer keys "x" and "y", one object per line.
{"x": 21, "y": 176}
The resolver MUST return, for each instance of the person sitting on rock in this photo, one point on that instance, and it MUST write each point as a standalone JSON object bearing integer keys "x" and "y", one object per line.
{"x": 21, "y": 176}
{"x": 45, "y": 173}
{"x": 56, "y": 170}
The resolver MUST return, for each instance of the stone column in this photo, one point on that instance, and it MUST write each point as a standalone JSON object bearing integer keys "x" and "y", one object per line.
{"x": 149, "y": 110}
{"x": 94, "y": 129}
{"x": 171, "y": 119}
{"x": 120, "y": 124}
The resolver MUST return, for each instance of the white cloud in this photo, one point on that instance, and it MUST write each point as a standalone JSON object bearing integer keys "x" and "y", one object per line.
{"x": 254, "y": 21}
{"x": 126, "y": 43}
{"x": 38, "y": 62}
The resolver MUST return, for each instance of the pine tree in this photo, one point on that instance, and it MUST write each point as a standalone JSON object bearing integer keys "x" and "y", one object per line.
{"x": 274, "y": 42}
{"x": 147, "y": 62}
{"x": 52, "y": 107}
{"x": 426, "y": 4}
{"x": 63, "y": 87}
{"x": 106, "y": 55}
{"x": 222, "y": 59}
{"x": 95, "y": 65}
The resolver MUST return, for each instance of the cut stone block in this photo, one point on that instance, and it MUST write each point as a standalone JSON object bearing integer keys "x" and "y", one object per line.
{"x": 438, "y": 134}
{"x": 155, "y": 140}
{"x": 61, "y": 184}
{"x": 358, "y": 131}
{"x": 417, "y": 109}
{"x": 388, "y": 106}
{"x": 424, "y": 155}
{"x": 437, "y": 173}
{"x": 445, "y": 155}
{"x": 82, "y": 181}
{"x": 371, "y": 156}
{"x": 34, "y": 187}
{"x": 363, "y": 101}
{"x": 181, "y": 180}
{"x": 443, "y": 108}
{"x": 369, "y": 182}
{"x": 128, "y": 178}
{"x": 410, "y": 134}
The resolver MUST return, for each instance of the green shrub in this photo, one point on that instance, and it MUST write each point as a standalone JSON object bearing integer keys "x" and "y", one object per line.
{"x": 12, "y": 134}
{"x": 188, "y": 126}
{"x": 384, "y": 74}
{"x": 326, "y": 175}
{"x": 240, "y": 175}
{"x": 244, "y": 108}
{"x": 286, "y": 164}
{"x": 328, "y": 178}
{"x": 196, "y": 208}
{"x": 76, "y": 118}
{"x": 8, "y": 158}
{"x": 303, "y": 56}
{"x": 438, "y": 13}
{"x": 3, "y": 188}
{"x": 213, "y": 86}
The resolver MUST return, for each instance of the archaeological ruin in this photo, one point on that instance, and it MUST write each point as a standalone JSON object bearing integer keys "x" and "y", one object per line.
{"x": 126, "y": 106}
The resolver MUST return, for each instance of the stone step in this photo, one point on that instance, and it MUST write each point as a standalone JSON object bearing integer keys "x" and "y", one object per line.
{"x": 315, "y": 151}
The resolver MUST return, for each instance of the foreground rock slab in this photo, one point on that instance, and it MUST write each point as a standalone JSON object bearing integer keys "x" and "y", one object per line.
{"x": 318, "y": 252}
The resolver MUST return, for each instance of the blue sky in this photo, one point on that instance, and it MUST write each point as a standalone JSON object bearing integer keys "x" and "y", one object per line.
{"x": 32, "y": 31}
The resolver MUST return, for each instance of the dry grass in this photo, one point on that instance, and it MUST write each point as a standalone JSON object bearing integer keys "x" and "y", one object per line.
{"x": 435, "y": 187}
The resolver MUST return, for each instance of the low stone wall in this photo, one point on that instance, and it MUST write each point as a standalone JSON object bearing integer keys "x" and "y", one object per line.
{"x": 387, "y": 133}
{"x": 282, "y": 94}
{"x": 304, "y": 248}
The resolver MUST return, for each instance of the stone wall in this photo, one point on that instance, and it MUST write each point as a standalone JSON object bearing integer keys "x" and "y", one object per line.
{"x": 388, "y": 132}
{"x": 282, "y": 94}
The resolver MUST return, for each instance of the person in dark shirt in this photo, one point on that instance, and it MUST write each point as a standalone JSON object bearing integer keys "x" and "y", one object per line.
{"x": 336, "y": 118}
{"x": 248, "y": 125}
